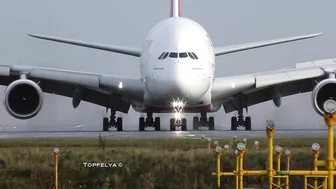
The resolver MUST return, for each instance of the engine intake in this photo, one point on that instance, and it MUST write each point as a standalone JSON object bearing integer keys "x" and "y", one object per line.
{"x": 23, "y": 99}
{"x": 324, "y": 96}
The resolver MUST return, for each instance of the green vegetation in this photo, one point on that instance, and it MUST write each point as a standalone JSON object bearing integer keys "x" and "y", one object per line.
{"x": 147, "y": 164}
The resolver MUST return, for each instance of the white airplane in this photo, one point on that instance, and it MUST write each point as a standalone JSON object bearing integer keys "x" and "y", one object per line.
{"x": 177, "y": 64}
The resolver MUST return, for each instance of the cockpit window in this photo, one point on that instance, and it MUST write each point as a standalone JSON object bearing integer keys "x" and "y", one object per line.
{"x": 191, "y": 55}
{"x": 173, "y": 55}
{"x": 196, "y": 57}
{"x": 165, "y": 55}
{"x": 183, "y": 55}
{"x": 161, "y": 56}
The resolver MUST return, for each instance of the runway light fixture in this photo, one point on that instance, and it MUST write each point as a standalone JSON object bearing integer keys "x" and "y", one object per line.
{"x": 216, "y": 142}
{"x": 120, "y": 85}
{"x": 209, "y": 139}
{"x": 244, "y": 139}
{"x": 288, "y": 152}
{"x": 236, "y": 152}
{"x": 270, "y": 124}
{"x": 315, "y": 147}
{"x": 226, "y": 147}
{"x": 241, "y": 146}
{"x": 256, "y": 143}
{"x": 218, "y": 149}
{"x": 278, "y": 149}
{"x": 329, "y": 106}
{"x": 234, "y": 137}
{"x": 56, "y": 150}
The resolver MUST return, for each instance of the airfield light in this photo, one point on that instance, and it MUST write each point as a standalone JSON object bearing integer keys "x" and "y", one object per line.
{"x": 120, "y": 85}
{"x": 240, "y": 146}
{"x": 270, "y": 124}
{"x": 180, "y": 104}
{"x": 236, "y": 152}
{"x": 216, "y": 142}
{"x": 245, "y": 140}
{"x": 226, "y": 147}
{"x": 174, "y": 103}
{"x": 256, "y": 143}
{"x": 288, "y": 152}
{"x": 202, "y": 137}
{"x": 315, "y": 147}
{"x": 209, "y": 139}
{"x": 278, "y": 149}
{"x": 330, "y": 106}
{"x": 218, "y": 149}
{"x": 56, "y": 150}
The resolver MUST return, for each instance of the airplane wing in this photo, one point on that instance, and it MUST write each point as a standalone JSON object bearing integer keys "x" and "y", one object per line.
{"x": 262, "y": 87}
{"x": 111, "y": 48}
{"x": 98, "y": 89}
{"x": 236, "y": 48}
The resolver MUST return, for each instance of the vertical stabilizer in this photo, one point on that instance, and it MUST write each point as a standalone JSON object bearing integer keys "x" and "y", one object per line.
{"x": 175, "y": 8}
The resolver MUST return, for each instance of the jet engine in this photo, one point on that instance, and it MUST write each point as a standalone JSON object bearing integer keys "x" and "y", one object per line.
{"x": 324, "y": 96}
{"x": 23, "y": 99}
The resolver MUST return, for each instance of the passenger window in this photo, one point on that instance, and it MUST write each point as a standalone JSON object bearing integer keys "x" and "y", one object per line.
{"x": 196, "y": 57}
{"x": 183, "y": 55}
{"x": 161, "y": 56}
{"x": 165, "y": 55}
{"x": 191, "y": 55}
{"x": 173, "y": 55}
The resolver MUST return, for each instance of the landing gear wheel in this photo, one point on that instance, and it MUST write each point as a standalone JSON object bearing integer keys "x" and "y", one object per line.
{"x": 195, "y": 123}
{"x": 211, "y": 123}
{"x": 172, "y": 124}
{"x": 141, "y": 124}
{"x": 157, "y": 124}
{"x": 184, "y": 124}
{"x": 119, "y": 124}
{"x": 234, "y": 123}
{"x": 106, "y": 124}
{"x": 248, "y": 126}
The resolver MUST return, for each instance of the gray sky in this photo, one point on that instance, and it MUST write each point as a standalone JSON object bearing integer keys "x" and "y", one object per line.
{"x": 126, "y": 22}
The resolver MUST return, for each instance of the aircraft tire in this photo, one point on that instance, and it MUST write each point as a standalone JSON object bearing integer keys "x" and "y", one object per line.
{"x": 119, "y": 124}
{"x": 141, "y": 124}
{"x": 211, "y": 123}
{"x": 195, "y": 123}
{"x": 184, "y": 124}
{"x": 248, "y": 125}
{"x": 106, "y": 124}
{"x": 172, "y": 124}
{"x": 157, "y": 124}
{"x": 234, "y": 123}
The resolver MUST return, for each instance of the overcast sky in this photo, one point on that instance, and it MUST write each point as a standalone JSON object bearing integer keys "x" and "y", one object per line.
{"x": 126, "y": 22}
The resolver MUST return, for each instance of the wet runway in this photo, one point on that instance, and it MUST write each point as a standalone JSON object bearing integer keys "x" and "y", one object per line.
{"x": 164, "y": 134}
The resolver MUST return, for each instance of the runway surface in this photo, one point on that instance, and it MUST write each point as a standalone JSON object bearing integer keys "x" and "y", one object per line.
{"x": 164, "y": 134}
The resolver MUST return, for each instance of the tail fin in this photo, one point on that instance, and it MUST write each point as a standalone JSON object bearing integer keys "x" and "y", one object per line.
{"x": 175, "y": 8}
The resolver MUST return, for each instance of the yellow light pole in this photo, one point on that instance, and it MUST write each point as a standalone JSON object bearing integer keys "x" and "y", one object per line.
{"x": 316, "y": 153}
{"x": 219, "y": 172}
{"x": 278, "y": 150}
{"x": 270, "y": 129}
{"x": 56, "y": 153}
{"x": 330, "y": 121}
{"x": 241, "y": 149}
{"x": 256, "y": 145}
{"x": 209, "y": 143}
{"x": 237, "y": 169}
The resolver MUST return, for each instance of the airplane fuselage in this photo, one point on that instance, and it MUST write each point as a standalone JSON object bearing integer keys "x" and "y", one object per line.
{"x": 177, "y": 63}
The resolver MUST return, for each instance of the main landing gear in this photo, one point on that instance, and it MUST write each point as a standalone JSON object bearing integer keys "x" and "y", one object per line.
{"x": 241, "y": 122}
{"x": 149, "y": 122}
{"x": 203, "y": 121}
{"x": 113, "y": 122}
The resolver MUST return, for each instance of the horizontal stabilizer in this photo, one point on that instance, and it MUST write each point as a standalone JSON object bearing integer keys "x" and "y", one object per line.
{"x": 248, "y": 46}
{"x": 111, "y": 48}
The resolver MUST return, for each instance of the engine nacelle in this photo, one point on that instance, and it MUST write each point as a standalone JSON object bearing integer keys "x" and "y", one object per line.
{"x": 23, "y": 99}
{"x": 324, "y": 96}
